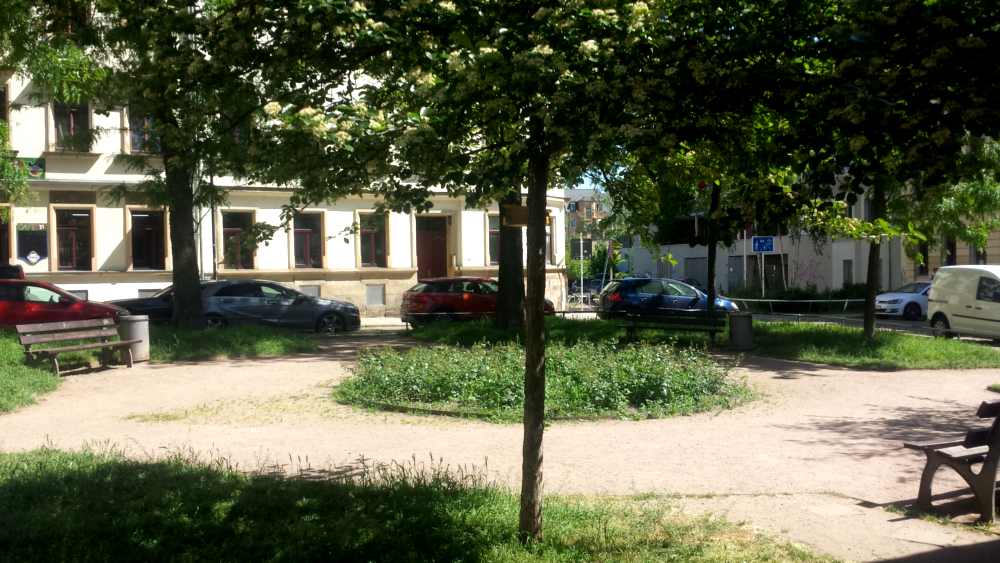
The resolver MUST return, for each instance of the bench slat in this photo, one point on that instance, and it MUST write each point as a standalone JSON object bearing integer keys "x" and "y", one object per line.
{"x": 91, "y": 346}
{"x": 964, "y": 454}
{"x": 63, "y": 325}
{"x": 105, "y": 332}
{"x": 680, "y": 313}
{"x": 976, "y": 438}
{"x": 668, "y": 327}
{"x": 989, "y": 409}
{"x": 924, "y": 446}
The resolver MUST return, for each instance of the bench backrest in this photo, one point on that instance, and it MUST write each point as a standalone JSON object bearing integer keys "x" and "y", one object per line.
{"x": 683, "y": 316}
{"x": 986, "y": 436}
{"x": 63, "y": 331}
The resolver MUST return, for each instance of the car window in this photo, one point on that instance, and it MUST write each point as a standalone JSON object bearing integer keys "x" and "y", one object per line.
{"x": 489, "y": 287}
{"x": 277, "y": 292}
{"x": 419, "y": 287}
{"x": 987, "y": 286}
{"x": 11, "y": 292}
{"x": 651, "y": 287}
{"x": 912, "y": 288}
{"x": 237, "y": 290}
{"x": 611, "y": 287}
{"x": 674, "y": 288}
{"x": 36, "y": 294}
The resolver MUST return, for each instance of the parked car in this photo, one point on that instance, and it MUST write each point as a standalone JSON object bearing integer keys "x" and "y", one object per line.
{"x": 452, "y": 299}
{"x": 638, "y": 296}
{"x": 965, "y": 299}
{"x": 23, "y": 302}
{"x": 8, "y": 272}
{"x": 909, "y": 301}
{"x": 256, "y": 301}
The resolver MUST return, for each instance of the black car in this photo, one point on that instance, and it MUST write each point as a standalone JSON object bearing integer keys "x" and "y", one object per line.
{"x": 254, "y": 301}
{"x": 8, "y": 272}
{"x": 637, "y": 296}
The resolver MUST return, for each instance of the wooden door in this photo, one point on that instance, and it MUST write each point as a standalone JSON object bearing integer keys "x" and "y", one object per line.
{"x": 432, "y": 254}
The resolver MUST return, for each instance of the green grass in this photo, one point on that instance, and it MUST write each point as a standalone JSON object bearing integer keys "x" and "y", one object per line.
{"x": 174, "y": 345}
{"x": 846, "y": 346}
{"x": 19, "y": 383}
{"x": 559, "y": 330}
{"x": 584, "y": 380}
{"x": 62, "y": 506}
{"x": 995, "y": 387}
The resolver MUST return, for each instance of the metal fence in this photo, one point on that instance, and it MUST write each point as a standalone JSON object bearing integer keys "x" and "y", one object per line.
{"x": 771, "y": 302}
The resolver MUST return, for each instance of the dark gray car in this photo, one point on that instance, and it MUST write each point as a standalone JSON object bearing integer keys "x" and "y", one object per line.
{"x": 257, "y": 301}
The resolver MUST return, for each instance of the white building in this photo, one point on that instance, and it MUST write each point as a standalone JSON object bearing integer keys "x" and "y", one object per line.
{"x": 73, "y": 237}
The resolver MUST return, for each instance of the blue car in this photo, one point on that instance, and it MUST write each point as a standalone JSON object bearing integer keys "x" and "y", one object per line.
{"x": 651, "y": 296}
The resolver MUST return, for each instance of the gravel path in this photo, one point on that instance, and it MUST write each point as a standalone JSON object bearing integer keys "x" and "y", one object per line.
{"x": 812, "y": 461}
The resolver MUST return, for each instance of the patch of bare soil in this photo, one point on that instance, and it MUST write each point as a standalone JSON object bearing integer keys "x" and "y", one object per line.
{"x": 815, "y": 460}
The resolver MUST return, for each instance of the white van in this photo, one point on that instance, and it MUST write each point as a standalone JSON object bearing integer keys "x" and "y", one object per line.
{"x": 965, "y": 300}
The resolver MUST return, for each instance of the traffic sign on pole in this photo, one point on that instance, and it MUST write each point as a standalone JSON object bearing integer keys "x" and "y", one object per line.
{"x": 763, "y": 244}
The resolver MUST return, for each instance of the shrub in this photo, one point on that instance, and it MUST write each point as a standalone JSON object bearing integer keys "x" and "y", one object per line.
{"x": 582, "y": 380}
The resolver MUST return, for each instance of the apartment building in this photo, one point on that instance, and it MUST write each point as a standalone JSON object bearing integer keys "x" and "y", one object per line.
{"x": 581, "y": 210}
{"x": 72, "y": 236}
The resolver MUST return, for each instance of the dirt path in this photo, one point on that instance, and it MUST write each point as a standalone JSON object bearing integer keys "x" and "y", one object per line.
{"x": 811, "y": 461}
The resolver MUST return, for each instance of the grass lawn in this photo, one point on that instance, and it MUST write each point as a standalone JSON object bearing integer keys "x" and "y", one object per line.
{"x": 995, "y": 388}
{"x": 809, "y": 342}
{"x": 20, "y": 383}
{"x": 62, "y": 506}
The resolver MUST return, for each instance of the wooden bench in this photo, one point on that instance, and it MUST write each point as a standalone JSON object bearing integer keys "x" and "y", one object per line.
{"x": 66, "y": 331}
{"x": 979, "y": 446}
{"x": 681, "y": 319}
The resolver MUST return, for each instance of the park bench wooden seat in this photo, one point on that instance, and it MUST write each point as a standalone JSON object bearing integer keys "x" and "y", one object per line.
{"x": 681, "y": 319}
{"x": 102, "y": 330}
{"x": 980, "y": 446}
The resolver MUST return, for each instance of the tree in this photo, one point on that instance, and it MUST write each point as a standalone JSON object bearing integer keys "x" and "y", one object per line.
{"x": 202, "y": 73}
{"x": 900, "y": 89}
{"x": 14, "y": 187}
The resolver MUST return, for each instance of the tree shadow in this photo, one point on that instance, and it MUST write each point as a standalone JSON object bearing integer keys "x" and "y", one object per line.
{"x": 986, "y": 552}
{"x": 98, "y": 509}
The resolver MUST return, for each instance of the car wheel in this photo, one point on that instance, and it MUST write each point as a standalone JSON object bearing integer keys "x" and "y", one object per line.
{"x": 911, "y": 312}
{"x": 215, "y": 321}
{"x": 941, "y": 326}
{"x": 442, "y": 316}
{"x": 330, "y": 323}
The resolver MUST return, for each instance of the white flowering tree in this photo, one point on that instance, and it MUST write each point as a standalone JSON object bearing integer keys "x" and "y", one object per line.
{"x": 199, "y": 74}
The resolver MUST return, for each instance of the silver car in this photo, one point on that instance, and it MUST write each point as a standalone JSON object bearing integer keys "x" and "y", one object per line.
{"x": 909, "y": 301}
{"x": 271, "y": 303}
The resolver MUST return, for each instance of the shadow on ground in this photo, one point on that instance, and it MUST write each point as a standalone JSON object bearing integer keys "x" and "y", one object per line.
{"x": 987, "y": 552}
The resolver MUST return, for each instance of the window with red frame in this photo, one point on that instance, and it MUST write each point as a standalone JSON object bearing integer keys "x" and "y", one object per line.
{"x": 72, "y": 121}
{"x": 494, "y": 240}
{"x": 308, "y": 240}
{"x": 142, "y": 140}
{"x": 372, "y": 235}
{"x": 73, "y": 239}
{"x": 237, "y": 247}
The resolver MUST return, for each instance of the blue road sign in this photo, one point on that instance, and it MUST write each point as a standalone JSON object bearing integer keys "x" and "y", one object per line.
{"x": 763, "y": 244}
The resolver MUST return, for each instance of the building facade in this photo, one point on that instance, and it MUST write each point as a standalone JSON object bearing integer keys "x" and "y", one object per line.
{"x": 582, "y": 211}
{"x": 72, "y": 236}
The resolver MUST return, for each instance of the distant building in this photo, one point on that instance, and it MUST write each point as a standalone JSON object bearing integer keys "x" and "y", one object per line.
{"x": 581, "y": 210}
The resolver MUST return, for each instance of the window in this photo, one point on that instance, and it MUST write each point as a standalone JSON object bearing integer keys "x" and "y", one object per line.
{"x": 149, "y": 248}
{"x": 5, "y": 243}
{"x": 550, "y": 253}
{"x": 73, "y": 239}
{"x": 237, "y": 290}
{"x": 269, "y": 291}
{"x": 977, "y": 256}
{"x": 948, "y": 257}
{"x": 237, "y": 248}
{"x": 679, "y": 289}
{"x": 140, "y": 129}
{"x": 848, "y": 272}
{"x": 988, "y": 287}
{"x": 308, "y": 240}
{"x": 649, "y": 287}
{"x": 5, "y": 103}
{"x": 869, "y": 213}
{"x": 38, "y": 294}
{"x": 70, "y": 120}
{"x": 372, "y": 240}
{"x": 571, "y": 206}
{"x": 572, "y": 222}
{"x": 921, "y": 269}
{"x": 494, "y": 239}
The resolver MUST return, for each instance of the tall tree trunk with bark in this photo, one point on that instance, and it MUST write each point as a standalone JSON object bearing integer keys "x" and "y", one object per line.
{"x": 188, "y": 310}
{"x": 530, "y": 524}
{"x": 510, "y": 297}
{"x": 712, "y": 232}
{"x": 874, "y": 261}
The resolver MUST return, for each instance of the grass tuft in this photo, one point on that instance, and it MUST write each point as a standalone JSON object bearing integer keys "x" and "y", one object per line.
{"x": 19, "y": 384}
{"x": 64, "y": 506}
{"x": 583, "y": 380}
{"x": 995, "y": 387}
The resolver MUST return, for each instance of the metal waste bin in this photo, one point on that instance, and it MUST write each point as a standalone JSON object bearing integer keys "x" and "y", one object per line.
{"x": 740, "y": 332}
{"x": 136, "y": 327}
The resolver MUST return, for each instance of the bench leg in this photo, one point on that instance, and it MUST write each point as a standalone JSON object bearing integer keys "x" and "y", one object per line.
{"x": 630, "y": 334}
{"x": 983, "y": 485}
{"x": 55, "y": 365}
{"x": 106, "y": 357}
{"x": 711, "y": 341}
{"x": 934, "y": 461}
{"x": 127, "y": 355}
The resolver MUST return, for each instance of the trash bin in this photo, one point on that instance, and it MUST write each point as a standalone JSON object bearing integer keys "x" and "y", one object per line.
{"x": 136, "y": 327}
{"x": 740, "y": 332}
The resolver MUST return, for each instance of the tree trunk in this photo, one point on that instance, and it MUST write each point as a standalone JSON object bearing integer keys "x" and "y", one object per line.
{"x": 510, "y": 297}
{"x": 874, "y": 262}
{"x": 711, "y": 231}
{"x": 188, "y": 310}
{"x": 530, "y": 525}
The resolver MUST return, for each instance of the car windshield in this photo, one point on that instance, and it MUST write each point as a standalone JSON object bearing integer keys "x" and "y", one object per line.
{"x": 490, "y": 287}
{"x": 169, "y": 291}
{"x": 912, "y": 288}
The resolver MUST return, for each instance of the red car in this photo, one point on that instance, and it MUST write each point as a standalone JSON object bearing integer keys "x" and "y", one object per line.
{"x": 452, "y": 299}
{"x": 23, "y": 302}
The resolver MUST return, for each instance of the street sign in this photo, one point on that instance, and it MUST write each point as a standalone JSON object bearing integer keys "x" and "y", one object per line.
{"x": 763, "y": 244}
{"x": 574, "y": 248}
